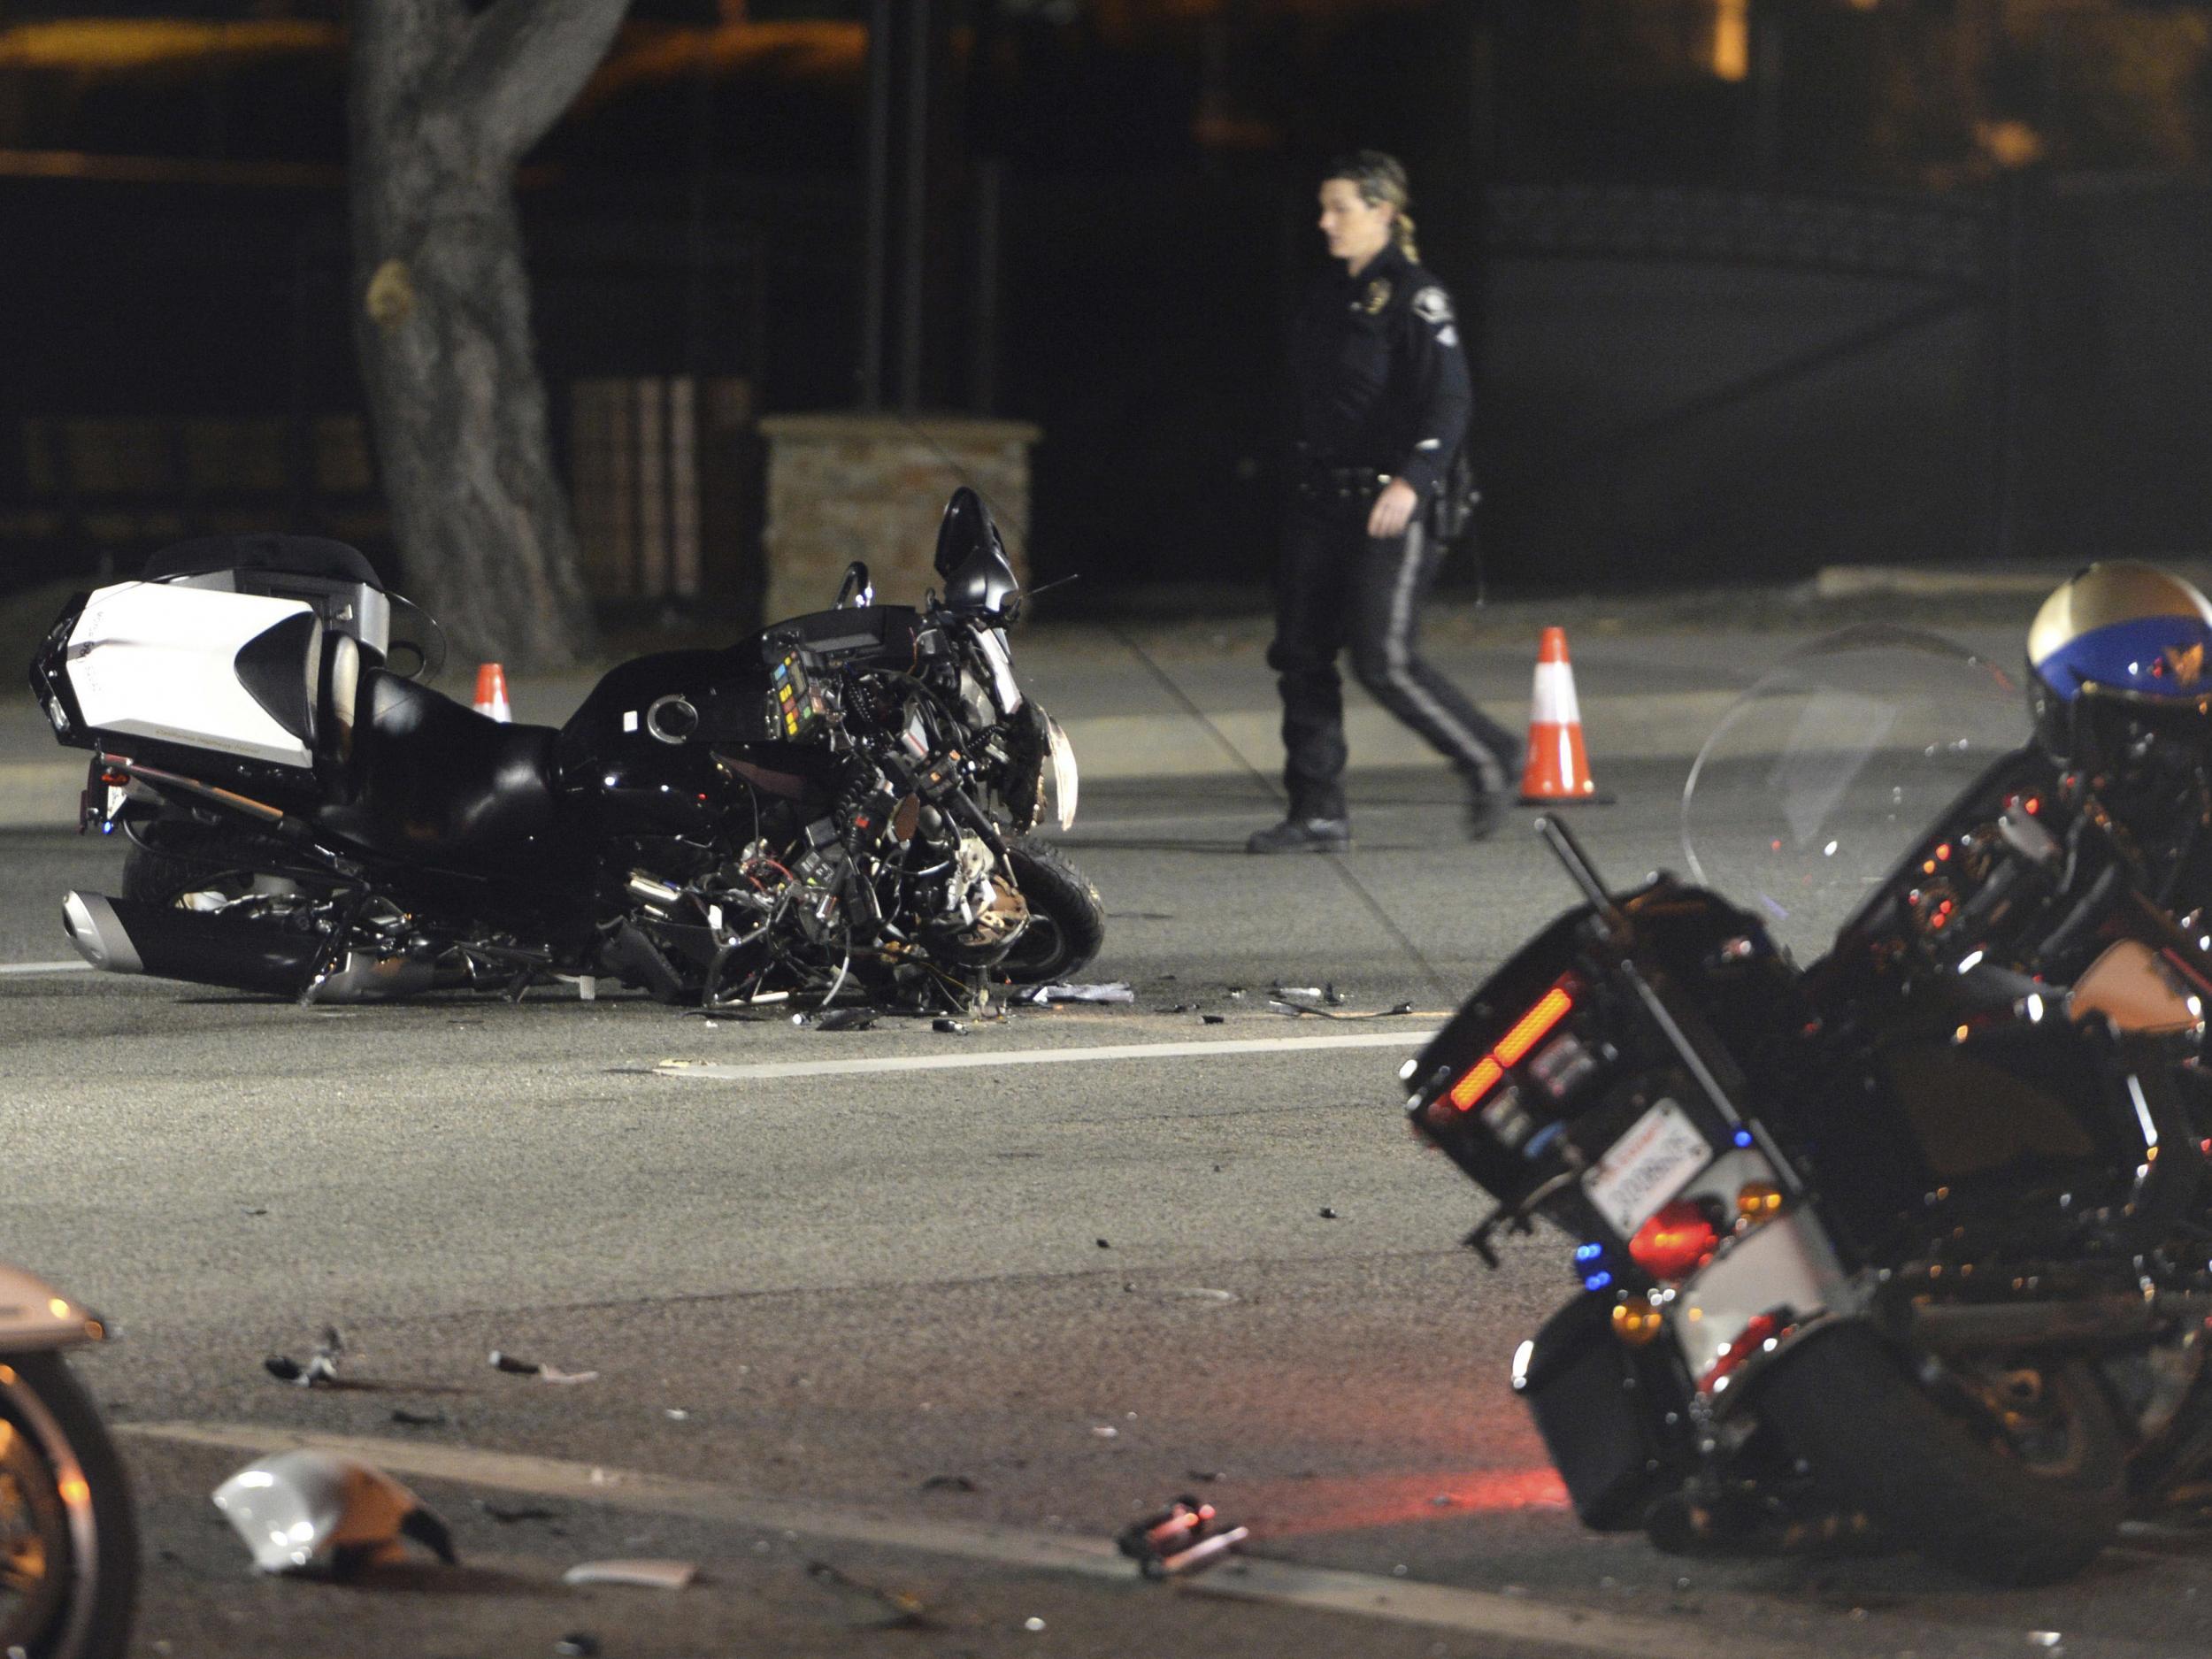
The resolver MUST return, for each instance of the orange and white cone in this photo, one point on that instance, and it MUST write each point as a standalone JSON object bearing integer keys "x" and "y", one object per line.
{"x": 1557, "y": 771}
{"x": 491, "y": 692}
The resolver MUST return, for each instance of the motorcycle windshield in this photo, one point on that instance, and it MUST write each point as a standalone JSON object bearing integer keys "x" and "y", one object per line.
{"x": 1829, "y": 770}
{"x": 971, "y": 557}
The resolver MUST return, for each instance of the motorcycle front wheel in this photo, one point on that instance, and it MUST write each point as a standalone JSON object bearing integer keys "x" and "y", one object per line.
{"x": 68, "y": 1537}
{"x": 1067, "y": 918}
{"x": 2013, "y": 1474}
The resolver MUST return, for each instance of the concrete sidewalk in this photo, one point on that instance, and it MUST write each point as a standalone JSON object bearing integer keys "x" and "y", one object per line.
{"x": 1195, "y": 698}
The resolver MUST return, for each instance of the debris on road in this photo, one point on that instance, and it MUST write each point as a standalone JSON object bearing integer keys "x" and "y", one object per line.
{"x": 948, "y": 1025}
{"x": 840, "y": 1019}
{"x": 1112, "y": 991}
{"x": 322, "y": 1368}
{"x": 578, "y": 1644}
{"x": 645, "y": 1574}
{"x": 1103, "y": 1245}
{"x": 1296, "y": 1011}
{"x": 950, "y": 1483}
{"x": 507, "y": 1514}
{"x": 1106, "y": 1432}
{"x": 311, "y": 1510}
{"x": 408, "y": 1419}
{"x": 1184, "y": 1537}
{"x": 904, "y": 1611}
{"x": 1213, "y": 1019}
{"x": 516, "y": 1366}
{"x": 1327, "y": 1214}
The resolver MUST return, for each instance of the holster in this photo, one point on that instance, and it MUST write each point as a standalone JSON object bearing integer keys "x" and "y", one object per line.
{"x": 1451, "y": 511}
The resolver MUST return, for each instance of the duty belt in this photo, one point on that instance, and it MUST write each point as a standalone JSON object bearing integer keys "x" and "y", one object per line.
{"x": 1322, "y": 481}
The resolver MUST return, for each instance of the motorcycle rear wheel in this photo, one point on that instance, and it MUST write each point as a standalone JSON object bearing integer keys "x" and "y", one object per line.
{"x": 2011, "y": 1498}
{"x": 226, "y": 865}
{"x": 68, "y": 1535}
{"x": 1067, "y": 918}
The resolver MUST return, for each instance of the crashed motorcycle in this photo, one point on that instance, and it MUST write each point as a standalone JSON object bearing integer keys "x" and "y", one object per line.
{"x": 68, "y": 1536}
{"x": 840, "y": 806}
{"x": 1904, "y": 1248}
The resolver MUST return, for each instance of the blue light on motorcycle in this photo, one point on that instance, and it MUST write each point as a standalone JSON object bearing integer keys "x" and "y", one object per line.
{"x": 1598, "y": 1281}
{"x": 1588, "y": 1252}
{"x": 1743, "y": 1137}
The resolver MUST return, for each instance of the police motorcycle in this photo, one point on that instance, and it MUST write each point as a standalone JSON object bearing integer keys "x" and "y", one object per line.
{"x": 842, "y": 803}
{"x": 1907, "y": 1248}
{"x": 68, "y": 1535}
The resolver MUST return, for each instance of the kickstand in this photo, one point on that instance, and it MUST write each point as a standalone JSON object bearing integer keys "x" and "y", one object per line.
{"x": 336, "y": 948}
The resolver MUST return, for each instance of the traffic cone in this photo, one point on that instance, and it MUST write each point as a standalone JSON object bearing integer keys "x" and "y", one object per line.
{"x": 491, "y": 692}
{"x": 1557, "y": 771}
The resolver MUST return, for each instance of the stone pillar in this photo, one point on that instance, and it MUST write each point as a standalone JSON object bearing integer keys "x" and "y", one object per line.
{"x": 845, "y": 487}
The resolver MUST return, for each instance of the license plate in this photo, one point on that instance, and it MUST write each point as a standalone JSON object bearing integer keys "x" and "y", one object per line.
{"x": 1645, "y": 1167}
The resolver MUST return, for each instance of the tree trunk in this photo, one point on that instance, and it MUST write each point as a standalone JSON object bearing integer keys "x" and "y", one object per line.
{"x": 443, "y": 105}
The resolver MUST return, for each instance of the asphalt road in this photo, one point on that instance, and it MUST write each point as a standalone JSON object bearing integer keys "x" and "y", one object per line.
{"x": 889, "y": 1352}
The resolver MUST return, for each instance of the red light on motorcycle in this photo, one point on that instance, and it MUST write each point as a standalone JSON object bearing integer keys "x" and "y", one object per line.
{"x": 1675, "y": 1242}
{"x": 1487, "y": 1072}
{"x": 1532, "y": 1026}
{"x": 1486, "y": 1075}
{"x": 1760, "y": 1330}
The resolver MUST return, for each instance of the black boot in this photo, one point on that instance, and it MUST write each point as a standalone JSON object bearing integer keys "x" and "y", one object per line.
{"x": 1302, "y": 835}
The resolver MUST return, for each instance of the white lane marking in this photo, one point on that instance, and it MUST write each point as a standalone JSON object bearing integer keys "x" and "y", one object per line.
{"x": 1400, "y": 1037}
{"x": 1252, "y": 1579}
{"x": 75, "y": 965}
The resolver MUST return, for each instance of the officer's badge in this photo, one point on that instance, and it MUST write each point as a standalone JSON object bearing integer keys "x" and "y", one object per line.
{"x": 1377, "y": 296}
{"x": 1432, "y": 305}
{"x": 2188, "y": 665}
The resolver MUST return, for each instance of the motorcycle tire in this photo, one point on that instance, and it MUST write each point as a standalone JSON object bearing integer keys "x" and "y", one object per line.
{"x": 1067, "y": 918}
{"x": 65, "y": 1503}
{"x": 182, "y": 862}
{"x": 1949, "y": 1484}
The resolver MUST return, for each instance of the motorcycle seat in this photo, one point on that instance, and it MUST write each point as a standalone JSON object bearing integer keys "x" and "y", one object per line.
{"x": 430, "y": 775}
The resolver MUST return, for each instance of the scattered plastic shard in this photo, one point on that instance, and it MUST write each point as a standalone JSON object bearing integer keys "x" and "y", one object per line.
{"x": 1330, "y": 994}
{"x": 408, "y": 1419}
{"x": 1327, "y": 1214}
{"x": 949, "y": 1026}
{"x": 1181, "y": 1007}
{"x": 2046, "y": 1638}
{"x": 578, "y": 1644}
{"x": 1106, "y": 1432}
{"x": 322, "y": 1366}
{"x": 507, "y": 1515}
{"x": 1112, "y": 991}
{"x": 1297, "y": 990}
{"x": 845, "y": 1019}
{"x": 1184, "y": 1537}
{"x": 903, "y": 1611}
{"x": 516, "y": 1366}
{"x": 1213, "y": 1019}
{"x": 646, "y": 1575}
{"x": 309, "y": 1510}
{"x": 1104, "y": 1245}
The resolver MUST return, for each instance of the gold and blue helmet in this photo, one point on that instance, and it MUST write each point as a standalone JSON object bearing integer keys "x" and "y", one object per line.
{"x": 2122, "y": 649}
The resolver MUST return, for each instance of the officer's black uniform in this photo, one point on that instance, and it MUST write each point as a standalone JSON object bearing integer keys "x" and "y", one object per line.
{"x": 1382, "y": 392}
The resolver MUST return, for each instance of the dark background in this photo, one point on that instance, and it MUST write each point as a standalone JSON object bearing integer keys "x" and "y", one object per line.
{"x": 1759, "y": 285}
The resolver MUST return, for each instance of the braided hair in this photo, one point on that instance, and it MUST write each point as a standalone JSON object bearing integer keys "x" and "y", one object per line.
{"x": 1380, "y": 178}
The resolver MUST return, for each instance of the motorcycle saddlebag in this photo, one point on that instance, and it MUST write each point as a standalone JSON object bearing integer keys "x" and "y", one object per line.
{"x": 1601, "y": 1408}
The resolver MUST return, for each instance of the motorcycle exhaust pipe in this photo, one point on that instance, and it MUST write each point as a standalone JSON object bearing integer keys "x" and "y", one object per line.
{"x": 131, "y": 936}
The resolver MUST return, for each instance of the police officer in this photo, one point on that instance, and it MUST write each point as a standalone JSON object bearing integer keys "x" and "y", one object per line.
{"x": 1382, "y": 402}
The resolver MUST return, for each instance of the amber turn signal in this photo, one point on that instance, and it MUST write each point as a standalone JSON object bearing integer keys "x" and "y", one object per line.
{"x": 1636, "y": 1323}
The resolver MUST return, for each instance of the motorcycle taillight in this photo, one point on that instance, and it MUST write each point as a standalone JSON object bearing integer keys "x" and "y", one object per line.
{"x": 1677, "y": 1239}
{"x": 1525, "y": 1034}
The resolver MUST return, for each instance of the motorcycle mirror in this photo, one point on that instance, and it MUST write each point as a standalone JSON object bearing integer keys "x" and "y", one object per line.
{"x": 856, "y": 592}
{"x": 308, "y": 1510}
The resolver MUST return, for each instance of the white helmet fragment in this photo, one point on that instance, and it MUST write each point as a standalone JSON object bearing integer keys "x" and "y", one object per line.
{"x": 306, "y": 1511}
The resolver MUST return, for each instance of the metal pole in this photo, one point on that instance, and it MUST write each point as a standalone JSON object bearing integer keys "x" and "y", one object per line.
{"x": 878, "y": 205}
{"x": 917, "y": 205}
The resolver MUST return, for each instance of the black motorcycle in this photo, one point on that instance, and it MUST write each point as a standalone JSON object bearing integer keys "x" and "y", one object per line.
{"x": 842, "y": 803}
{"x": 1906, "y": 1248}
